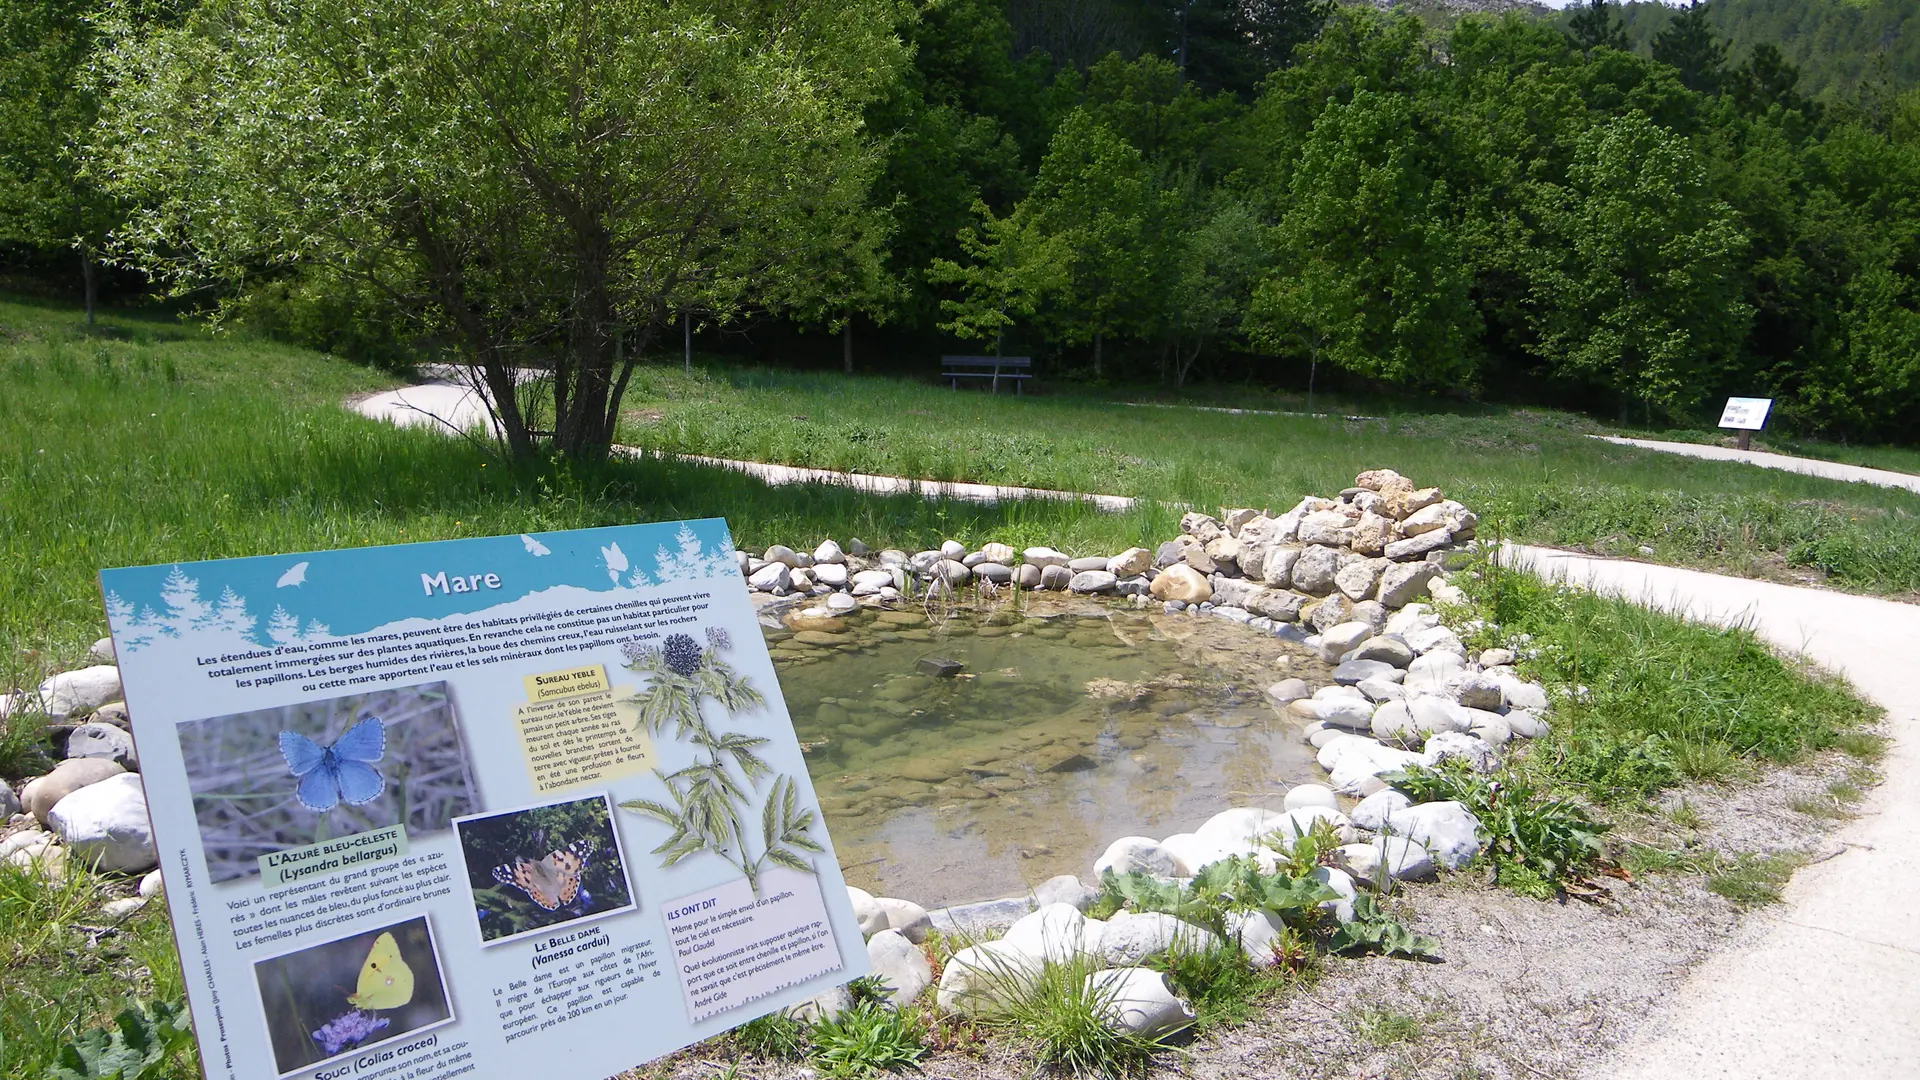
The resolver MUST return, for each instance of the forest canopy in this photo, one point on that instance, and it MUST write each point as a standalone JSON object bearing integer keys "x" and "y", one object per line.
{"x": 1584, "y": 208}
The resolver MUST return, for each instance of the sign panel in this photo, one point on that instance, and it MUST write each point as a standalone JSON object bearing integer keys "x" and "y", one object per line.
{"x": 1746, "y": 413}
{"x": 520, "y": 806}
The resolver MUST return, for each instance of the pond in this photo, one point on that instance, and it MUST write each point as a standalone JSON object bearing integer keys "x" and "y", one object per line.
{"x": 1068, "y": 723}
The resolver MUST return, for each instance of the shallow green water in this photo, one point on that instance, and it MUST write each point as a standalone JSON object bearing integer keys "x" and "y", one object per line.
{"x": 1069, "y": 726}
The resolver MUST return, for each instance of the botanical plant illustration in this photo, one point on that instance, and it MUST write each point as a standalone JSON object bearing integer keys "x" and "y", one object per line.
{"x": 711, "y": 800}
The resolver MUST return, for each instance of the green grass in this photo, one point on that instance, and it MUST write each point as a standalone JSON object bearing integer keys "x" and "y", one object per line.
{"x": 1534, "y": 475}
{"x": 148, "y": 441}
{"x": 1644, "y": 700}
{"x": 65, "y": 973}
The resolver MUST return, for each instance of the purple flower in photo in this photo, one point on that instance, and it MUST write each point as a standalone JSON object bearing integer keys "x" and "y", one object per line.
{"x": 718, "y": 638}
{"x": 636, "y": 650}
{"x": 346, "y": 1029}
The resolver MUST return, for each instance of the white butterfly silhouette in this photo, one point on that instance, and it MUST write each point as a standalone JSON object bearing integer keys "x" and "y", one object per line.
{"x": 616, "y": 561}
{"x": 534, "y": 547}
{"x": 295, "y": 575}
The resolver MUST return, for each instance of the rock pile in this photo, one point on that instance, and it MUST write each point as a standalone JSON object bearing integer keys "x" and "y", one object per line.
{"x": 91, "y": 807}
{"x": 1379, "y": 546}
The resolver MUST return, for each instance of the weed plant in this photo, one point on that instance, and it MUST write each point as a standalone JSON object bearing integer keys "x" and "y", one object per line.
{"x": 69, "y": 973}
{"x": 868, "y": 1039}
{"x": 1535, "y": 842}
{"x": 1217, "y": 980}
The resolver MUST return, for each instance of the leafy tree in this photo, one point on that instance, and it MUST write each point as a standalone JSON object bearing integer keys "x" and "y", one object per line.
{"x": 1691, "y": 46}
{"x": 1596, "y": 25}
{"x": 1080, "y": 243}
{"x": 1369, "y": 275}
{"x": 1767, "y": 80}
{"x": 1213, "y": 257}
{"x": 547, "y": 183}
{"x": 1637, "y": 285}
{"x": 1233, "y": 45}
{"x": 47, "y": 109}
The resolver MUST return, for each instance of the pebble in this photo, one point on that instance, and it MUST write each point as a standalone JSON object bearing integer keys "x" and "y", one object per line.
{"x": 104, "y": 741}
{"x": 42, "y": 794}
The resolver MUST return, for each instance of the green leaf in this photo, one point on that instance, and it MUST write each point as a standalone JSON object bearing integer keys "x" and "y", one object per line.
{"x": 137, "y": 1046}
{"x": 651, "y": 809}
{"x": 783, "y": 857}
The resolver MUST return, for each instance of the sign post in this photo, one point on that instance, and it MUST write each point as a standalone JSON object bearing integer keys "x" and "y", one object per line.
{"x": 1745, "y": 415}
{"x": 516, "y": 806}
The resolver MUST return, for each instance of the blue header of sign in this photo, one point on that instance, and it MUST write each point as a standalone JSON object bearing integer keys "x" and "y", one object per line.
{"x": 267, "y": 599}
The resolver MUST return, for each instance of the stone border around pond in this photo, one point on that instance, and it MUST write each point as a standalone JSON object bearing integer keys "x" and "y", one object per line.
{"x": 1354, "y": 570}
{"x": 1344, "y": 577}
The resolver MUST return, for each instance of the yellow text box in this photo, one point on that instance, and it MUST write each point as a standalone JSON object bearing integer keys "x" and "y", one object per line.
{"x": 591, "y": 679}
{"x": 583, "y": 738}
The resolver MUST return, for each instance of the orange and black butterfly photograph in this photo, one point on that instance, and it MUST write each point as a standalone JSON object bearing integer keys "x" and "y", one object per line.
{"x": 542, "y": 866}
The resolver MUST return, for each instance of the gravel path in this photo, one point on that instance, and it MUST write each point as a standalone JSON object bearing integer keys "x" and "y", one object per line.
{"x": 1830, "y": 982}
{"x": 1832, "y": 470}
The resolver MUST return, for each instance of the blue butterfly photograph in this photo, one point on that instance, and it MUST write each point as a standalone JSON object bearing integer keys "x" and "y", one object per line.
{"x": 296, "y": 775}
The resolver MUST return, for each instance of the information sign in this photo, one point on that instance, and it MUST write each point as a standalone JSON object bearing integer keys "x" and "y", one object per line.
{"x": 516, "y": 806}
{"x": 1746, "y": 413}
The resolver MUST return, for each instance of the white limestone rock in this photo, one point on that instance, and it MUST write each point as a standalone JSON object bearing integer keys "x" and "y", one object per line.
{"x": 1057, "y": 933}
{"x": 1453, "y": 745}
{"x": 1132, "y": 937}
{"x": 1134, "y": 853}
{"x": 1139, "y": 1001}
{"x": 1306, "y": 795}
{"x": 105, "y": 825}
{"x": 1447, "y": 830}
{"x": 900, "y": 966}
{"x": 1394, "y": 858}
{"x": 77, "y": 693}
{"x": 905, "y": 917}
{"x": 984, "y": 980}
{"x": 867, "y": 912}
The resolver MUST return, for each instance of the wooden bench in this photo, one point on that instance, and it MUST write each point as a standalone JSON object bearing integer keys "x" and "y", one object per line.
{"x": 1014, "y": 368}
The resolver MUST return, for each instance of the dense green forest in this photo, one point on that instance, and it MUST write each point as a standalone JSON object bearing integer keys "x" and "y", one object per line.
{"x": 1503, "y": 207}
{"x": 1839, "y": 46}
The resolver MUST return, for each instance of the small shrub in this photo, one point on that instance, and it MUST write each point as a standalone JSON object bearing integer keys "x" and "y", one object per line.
{"x": 867, "y": 1039}
{"x": 776, "y": 1036}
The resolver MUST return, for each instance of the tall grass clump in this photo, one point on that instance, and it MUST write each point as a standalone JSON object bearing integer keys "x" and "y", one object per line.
{"x": 1062, "y": 1015}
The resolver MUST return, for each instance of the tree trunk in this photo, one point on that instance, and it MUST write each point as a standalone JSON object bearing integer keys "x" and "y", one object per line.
{"x": 1096, "y": 353}
{"x": 89, "y": 280}
{"x": 686, "y": 334}
{"x": 1313, "y": 372}
{"x": 846, "y": 345}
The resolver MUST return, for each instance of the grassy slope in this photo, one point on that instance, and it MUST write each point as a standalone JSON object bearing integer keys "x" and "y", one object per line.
{"x": 146, "y": 441}
{"x": 1536, "y": 475}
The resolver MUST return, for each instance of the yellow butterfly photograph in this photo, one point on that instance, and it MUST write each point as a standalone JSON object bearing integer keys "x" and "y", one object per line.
{"x": 345, "y": 995}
